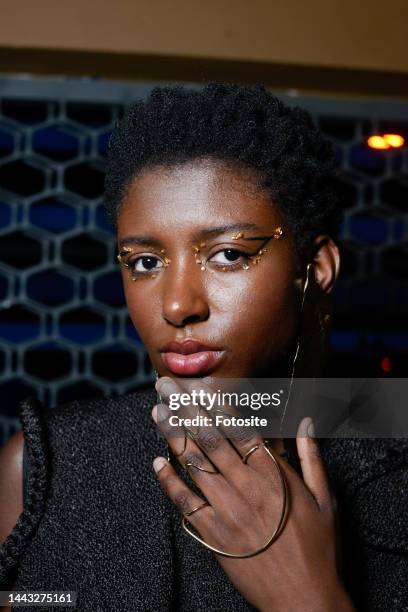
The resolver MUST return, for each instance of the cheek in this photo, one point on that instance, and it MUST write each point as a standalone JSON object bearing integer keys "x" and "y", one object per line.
{"x": 143, "y": 309}
{"x": 280, "y": 316}
{"x": 260, "y": 316}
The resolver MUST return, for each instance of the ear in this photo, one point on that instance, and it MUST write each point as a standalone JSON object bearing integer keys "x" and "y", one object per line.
{"x": 326, "y": 261}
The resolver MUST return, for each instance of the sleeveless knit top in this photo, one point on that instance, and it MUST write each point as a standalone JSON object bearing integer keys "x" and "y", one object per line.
{"x": 95, "y": 520}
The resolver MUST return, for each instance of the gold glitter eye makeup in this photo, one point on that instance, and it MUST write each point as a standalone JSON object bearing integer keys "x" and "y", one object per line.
{"x": 230, "y": 259}
{"x": 144, "y": 265}
{"x": 227, "y": 259}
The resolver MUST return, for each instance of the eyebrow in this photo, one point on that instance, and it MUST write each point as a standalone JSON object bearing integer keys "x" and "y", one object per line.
{"x": 203, "y": 233}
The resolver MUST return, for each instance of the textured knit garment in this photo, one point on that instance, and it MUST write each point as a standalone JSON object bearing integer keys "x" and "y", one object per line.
{"x": 95, "y": 520}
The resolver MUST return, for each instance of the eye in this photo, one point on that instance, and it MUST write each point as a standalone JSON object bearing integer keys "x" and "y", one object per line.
{"x": 228, "y": 257}
{"x": 145, "y": 263}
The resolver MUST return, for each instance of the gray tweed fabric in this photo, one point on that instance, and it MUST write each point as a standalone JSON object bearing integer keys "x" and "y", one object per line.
{"x": 95, "y": 520}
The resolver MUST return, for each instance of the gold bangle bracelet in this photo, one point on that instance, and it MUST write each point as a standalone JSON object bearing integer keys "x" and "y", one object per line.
{"x": 280, "y": 522}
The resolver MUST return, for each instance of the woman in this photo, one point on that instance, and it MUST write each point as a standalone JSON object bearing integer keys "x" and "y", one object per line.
{"x": 225, "y": 212}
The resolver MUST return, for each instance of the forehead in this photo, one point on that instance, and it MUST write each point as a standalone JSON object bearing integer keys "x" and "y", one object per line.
{"x": 191, "y": 194}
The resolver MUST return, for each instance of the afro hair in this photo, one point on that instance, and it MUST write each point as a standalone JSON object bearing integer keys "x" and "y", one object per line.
{"x": 247, "y": 126}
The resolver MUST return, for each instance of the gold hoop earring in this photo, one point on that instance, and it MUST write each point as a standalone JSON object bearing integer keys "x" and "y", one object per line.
{"x": 311, "y": 348}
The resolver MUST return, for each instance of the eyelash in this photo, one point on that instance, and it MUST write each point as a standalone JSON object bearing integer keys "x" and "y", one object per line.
{"x": 232, "y": 266}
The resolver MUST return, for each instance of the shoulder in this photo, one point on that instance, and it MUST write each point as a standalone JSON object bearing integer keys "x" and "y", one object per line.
{"x": 95, "y": 422}
{"x": 104, "y": 437}
{"x": 11, "y": 483}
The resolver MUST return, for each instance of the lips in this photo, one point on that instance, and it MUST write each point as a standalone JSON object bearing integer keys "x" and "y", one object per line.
{"x": 186, "y": 347}
{"x": 190, "y": 358}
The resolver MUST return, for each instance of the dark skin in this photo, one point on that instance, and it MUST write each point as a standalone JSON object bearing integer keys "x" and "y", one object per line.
{"x": 252, "y": 315}
{"x": 184, "y": 301}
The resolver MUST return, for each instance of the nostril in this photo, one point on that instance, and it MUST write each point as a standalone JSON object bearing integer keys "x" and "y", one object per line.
{"x": 192, "y": 319}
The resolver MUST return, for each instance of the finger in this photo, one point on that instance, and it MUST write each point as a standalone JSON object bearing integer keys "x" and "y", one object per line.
{"x": 193, "y": 460}
{"x": 225, "y": 455}
{"x": 203, "y": 430}
{"x": 174, "y": 433}
{"x": 313, "y": 469}
{"x": 206, "y": 435}
{"x": 241, "y": 437}
{"x": 186, "y": 501}
{"x": 181, "y": 443}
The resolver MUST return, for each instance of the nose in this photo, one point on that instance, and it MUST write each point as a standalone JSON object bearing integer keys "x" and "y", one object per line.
{"x": 184, "y": 295}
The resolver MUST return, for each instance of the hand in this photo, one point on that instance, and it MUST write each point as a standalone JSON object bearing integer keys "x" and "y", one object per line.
{"x": 298, "y": 571}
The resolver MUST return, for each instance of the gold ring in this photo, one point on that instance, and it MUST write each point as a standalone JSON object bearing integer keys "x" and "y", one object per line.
{"x": 187, "y": 434}
{"x": 190, "y": 464}
{"x": 184, "y": 447}
{"x": 280, "y": 522}
{"x": 249, "y": 453}
{"x": 196, "y": 509}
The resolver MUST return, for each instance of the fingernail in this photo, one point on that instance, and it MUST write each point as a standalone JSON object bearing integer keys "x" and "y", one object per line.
{"x": 311, "y": 429}
{"x": 165, "y": 386}
{"x": 159, "y": 413}
{"x": 154, "y": 414}
{"x": 159, "y": 463}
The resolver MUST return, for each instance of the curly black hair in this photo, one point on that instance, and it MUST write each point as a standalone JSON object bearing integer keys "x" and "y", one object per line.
{"x": 247, "y": 126}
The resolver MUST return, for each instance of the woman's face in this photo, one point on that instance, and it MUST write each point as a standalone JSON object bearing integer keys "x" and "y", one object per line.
{"x": 245, "y": 318}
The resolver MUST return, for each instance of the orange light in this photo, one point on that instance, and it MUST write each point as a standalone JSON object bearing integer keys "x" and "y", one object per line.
{"x": 386, "y": 141}
{"x": 378, "y": 142}
{"x": 394, "y": 140}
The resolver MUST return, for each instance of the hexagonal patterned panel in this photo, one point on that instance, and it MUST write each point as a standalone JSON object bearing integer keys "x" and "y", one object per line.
{"x": 53, "y": 215}
{"x": 19, "y": 250}
{"x": 395, "y": 261}
{"x": 48, "y": 361}
{"x": 56, "y": 143}
{"x": 6, "y": 142}
{"x": 5, "y": 215}
{"x": 22, "y": 178}
{"x": 85, "y": 179}
{"x": 108, "y": 289}
{"x": 368, "y": 227}
{"x": 82, "y": 325}
{"x": 84, "y": 252}
{"x": 18, "y": 323}
{"x": 394, "y": 193}
{"x": 114, "y": 363}
{"x": 367, "y": 161}
{"x": 38, "y": 287}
